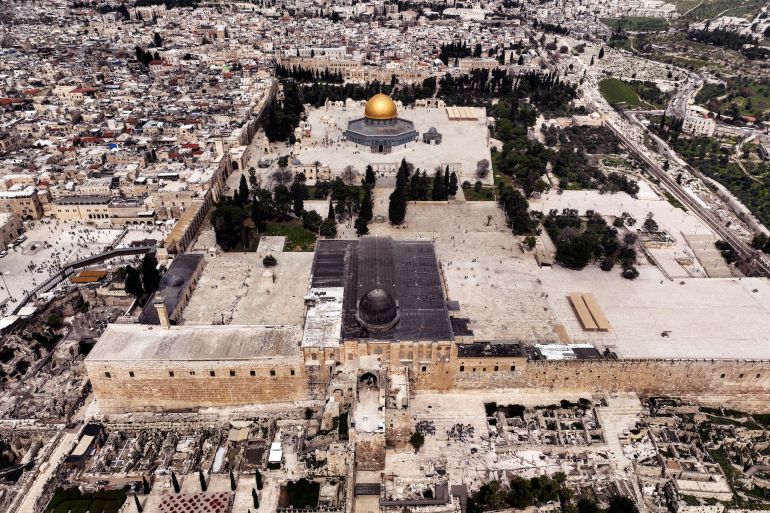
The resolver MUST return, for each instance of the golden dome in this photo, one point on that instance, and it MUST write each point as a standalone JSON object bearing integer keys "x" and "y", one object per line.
{"x": 380, "y": 106}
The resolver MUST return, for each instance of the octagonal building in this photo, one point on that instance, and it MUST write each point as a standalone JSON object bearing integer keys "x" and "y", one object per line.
{"x": 380, "y": 130}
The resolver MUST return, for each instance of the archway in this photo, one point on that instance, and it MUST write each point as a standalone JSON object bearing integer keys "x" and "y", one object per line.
{"x": 368, "y": 379}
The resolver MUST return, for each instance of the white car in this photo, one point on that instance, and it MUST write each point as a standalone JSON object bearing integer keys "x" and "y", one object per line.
{"x": 3, "y": 253}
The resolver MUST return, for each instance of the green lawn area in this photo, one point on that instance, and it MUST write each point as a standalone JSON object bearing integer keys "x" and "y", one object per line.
{"x": 711, "y": 8}
{"x": 486, "y": 194}
{"x": 297, "y": 237}
{"x": 637, "y": 24}
{"x": 674, "y": 202}
{"x": 103, "y": 501}
{"x": 618, "y": 92}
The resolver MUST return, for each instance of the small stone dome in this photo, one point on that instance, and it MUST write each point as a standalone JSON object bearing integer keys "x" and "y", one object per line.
{"x": 377, "y": 310}
{"x": 432, "y": 130}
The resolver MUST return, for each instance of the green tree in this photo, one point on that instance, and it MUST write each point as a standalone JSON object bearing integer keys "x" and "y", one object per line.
{"x": 601, "y": 53}
{"x": 299, "y": 194}
{"x": 328, "y": 228}
{"x": 174, "y": 482}
{"x": 311, "y": 220}
{"x": 417, "y": 440}
{"x": 243, "y": 192}
{"x": 227, "y": 220}
{"x": 258, "y": 478}
{"x": 622, "y": 504}
{"x": 282, "y": 201}
{"x": 438, "y": 193}
{"x": 397, "y": 206}
{"x": 452, "y": 189}
{"x": 269, "y": 261}
{"x": 133, "y": 283}
{"x": 232, "y": 481}
{"x": 330, "y": 215}
{"x": 137, "y": 504}
{"x": 150, "y": 274}
{"x": 586, "y": 505}
{"x": 145, "y": 485}
{"x": 255, "y": 498}
{"x": 370, "y": 178}
{"x": 202, "y": 480}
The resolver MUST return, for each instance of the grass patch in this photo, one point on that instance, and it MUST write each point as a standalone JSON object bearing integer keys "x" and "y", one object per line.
{"x": 617, "y": 92}
{"x": 297, "y": 237}
{"x": 674, "y": 202}
{"x": 636, "y": 24}
{"x": 485, "y": 194}
{"x": 72, "y": 500}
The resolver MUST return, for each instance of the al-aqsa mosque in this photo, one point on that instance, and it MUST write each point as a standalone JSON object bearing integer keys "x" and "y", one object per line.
{"x": 380, "y": 130}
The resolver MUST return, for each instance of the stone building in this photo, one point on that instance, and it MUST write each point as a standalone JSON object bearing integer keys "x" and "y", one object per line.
{"x": 380, "y": 130}
{"x": 377, "y": 309}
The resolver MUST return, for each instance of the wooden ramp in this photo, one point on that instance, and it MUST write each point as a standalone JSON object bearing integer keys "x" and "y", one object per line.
{"x": 588, "y": 312}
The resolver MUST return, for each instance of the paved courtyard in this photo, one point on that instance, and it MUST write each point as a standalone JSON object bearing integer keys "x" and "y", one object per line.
{"x": 464, "y": 142}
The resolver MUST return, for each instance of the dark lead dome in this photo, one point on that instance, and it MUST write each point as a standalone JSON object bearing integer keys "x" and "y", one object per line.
{"x": 377, "y": 310}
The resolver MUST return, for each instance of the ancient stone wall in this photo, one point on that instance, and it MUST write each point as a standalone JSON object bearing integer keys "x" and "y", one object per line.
{"x": 179, "y": 385}
{"x": 741, "y": 384}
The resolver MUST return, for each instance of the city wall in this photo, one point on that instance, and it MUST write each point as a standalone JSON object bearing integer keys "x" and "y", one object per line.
{"x": 188, "y": 385}
{"x": 739, "y": 384}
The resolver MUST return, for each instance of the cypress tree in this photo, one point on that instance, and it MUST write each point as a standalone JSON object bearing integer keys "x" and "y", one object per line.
{"x": 438, "y": 193}
{"x": 232, "y": 480}
{"x": 150, "y": 274}
{"x": 397, "y": 206}
{"x": 258, "y": 477}
{"x": 370, "y": 178}
{"x": 138, "y": 506}
{"x": 243, "y": 191}
{"x": 145, "y": 485}
{"x": 330, "y": 215}
{"x": 255, "y": 498}
{"x": 133, "y": 283}
{"x": 174, "y": 482}
{"x": 452, "y": 190}
{"x": 203, "y": 480}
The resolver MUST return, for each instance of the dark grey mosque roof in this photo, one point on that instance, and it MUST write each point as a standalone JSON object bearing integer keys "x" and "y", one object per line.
{"x": 172, "y": 286}
{"x": 405, "y": 275}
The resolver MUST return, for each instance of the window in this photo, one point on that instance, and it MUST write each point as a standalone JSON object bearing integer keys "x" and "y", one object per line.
{"x": 513, "y": 368}
{"x": 292, "y": 372}
{"x": 722, "y": 376}
{"x": 462, "y": 368}
{"x": 212, "y": 373}
{"x": 497, "y": 368}
{"x": 130, "y": 374}
{"x": 232, "y": 373}
{"x": 107, "y": 375}
{"x": 272, "y": 372}
{"x": 740, "y": 376}
{"x": 170, "y": 374}
{"x": 424, "y": 368}
{"x": 252, "y": 373}
{"x": 757, "y": 376}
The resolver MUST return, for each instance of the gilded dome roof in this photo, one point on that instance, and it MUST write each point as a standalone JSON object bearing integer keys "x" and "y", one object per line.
{"x": 380, "y": 106}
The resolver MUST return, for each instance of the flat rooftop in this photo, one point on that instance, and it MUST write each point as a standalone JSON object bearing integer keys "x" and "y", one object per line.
{"x": 124, "y": 342}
